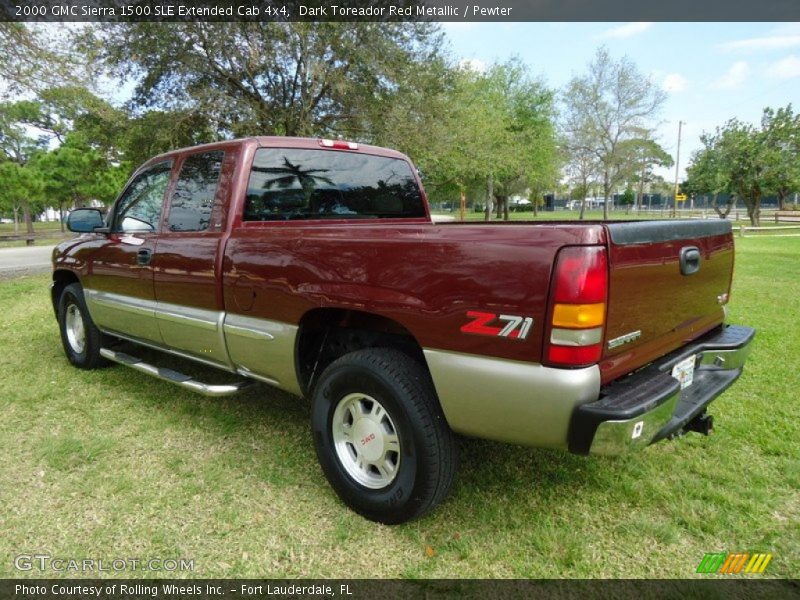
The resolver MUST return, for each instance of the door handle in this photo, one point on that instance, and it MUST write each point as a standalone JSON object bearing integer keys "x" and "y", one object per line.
{"x": 690, "y": 260}
{"x": 143, "y": 257}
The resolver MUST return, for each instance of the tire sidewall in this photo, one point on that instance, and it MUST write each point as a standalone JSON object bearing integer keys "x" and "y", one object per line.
{"x": 73, "y": 295}
{"x": 398, "y": 498}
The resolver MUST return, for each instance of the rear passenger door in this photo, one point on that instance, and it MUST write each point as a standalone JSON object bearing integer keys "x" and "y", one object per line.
{"x": 190, "y": 310}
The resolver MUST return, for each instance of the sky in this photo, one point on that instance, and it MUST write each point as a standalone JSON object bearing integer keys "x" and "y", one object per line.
{"x": 710, "y": 71}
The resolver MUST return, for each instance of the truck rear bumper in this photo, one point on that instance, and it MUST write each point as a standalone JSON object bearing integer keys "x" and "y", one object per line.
{"x": 649, "y": 405}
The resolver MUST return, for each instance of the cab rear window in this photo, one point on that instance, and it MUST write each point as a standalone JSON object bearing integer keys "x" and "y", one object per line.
{"x": 288, "y": 183}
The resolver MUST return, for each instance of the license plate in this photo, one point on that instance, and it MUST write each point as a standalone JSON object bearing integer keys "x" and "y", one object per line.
{"x": 684, "y": 371}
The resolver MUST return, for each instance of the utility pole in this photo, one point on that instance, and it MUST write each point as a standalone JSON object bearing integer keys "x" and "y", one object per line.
{"x": 677, "y": 166}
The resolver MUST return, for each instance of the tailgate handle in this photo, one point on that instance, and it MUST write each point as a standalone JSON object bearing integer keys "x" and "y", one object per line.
{"x": 690, "y": 260}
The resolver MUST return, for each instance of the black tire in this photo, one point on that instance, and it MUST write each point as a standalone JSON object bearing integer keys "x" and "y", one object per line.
{"x": 87, "y": 355}
{"x": 427, "y": 458}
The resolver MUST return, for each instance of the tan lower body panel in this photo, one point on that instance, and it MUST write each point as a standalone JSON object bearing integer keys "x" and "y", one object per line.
{"x": 510, "y": 401}
{"x": 258, "y": 348}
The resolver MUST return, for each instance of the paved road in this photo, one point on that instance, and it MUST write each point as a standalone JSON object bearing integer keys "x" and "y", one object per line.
{"x": 24, "y": 259}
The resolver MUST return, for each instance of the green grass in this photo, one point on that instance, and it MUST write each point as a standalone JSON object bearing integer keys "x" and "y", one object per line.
{"x": 111, "y": 463}
{"x": 51, "y": 229}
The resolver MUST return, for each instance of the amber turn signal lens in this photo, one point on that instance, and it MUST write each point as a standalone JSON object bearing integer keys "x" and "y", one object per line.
{"x": 579, "y": 316}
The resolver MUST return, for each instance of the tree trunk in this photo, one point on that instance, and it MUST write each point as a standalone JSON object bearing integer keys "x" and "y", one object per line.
{"x": 498, "y": 203}
{"x": 583, "y": 208}
{"x": 607, "y": 192}
{"x": 489, "y": 197}
{"x": 28, "y": 218}
{"x": 463, "y": 205}
{"x": 754, "y": 210}
{"x": 16, "y": 219}
{"x": 722, "y": 214}
{"x": 637, "y": 202}
{"x": 782, "y": 193}
{"x": 505, "y": 208}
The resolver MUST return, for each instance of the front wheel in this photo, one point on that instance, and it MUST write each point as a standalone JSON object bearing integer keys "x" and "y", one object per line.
{"x": 81, "y": 338}
{"x": 381, "y": 437}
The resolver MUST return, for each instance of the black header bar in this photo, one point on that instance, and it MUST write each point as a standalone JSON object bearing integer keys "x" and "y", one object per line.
{"x": 398, "y": 10}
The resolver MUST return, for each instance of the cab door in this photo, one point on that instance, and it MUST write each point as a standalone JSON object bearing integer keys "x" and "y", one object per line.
{"x": 190, "y": 308}
{"x": 119, "y": 285}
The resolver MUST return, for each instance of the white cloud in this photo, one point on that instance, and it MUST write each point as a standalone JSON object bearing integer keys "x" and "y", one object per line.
{"x": 787, "y": 68}
{"x": 733, "y": 78}
{"x": 473, "y": 64}
{"x": 773, "y": 42}
{"x": 626, "y": 31}
{"x": 674, "y": 82}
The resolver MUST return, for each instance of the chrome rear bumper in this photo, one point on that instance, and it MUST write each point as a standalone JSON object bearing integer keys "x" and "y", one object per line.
{"x": 649, "y": 405}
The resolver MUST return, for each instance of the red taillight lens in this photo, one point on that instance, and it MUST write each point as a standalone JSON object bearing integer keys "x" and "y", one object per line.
{"x": 574, "y": 355}
{"x": 578, "y": 304}
{"x": 581, "y": 275}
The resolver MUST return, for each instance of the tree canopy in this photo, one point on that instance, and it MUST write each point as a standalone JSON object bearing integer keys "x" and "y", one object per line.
{"x": 264, "y": 78}
{"x": 749, "y": 161}
{"x": 606, "y": 108}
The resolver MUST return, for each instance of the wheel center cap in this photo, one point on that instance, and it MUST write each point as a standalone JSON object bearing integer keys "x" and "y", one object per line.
{"x": 368, "y": 439}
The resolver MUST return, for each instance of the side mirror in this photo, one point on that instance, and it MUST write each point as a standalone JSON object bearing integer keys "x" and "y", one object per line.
{"x": 85, "y": 220}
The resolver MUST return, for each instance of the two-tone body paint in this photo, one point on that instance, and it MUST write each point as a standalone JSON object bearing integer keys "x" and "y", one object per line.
{"x": 246, "y": 287}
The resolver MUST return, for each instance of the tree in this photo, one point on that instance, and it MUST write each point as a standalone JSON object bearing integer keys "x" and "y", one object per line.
{"x": 21, "y": 192}
{"x": 606, "y": 107}
{"x": 73, "y": 176}
{"x": 582, "y": 168}
{"x": 643, "y": 154}
{"x": 747, "y": 164}
{"x": 32, "y": 59}
{"x": 499, "y": 134}
{"x": 16, "y": 144}
{"x": 87, "y": 165}
{"x": 782, "y": 138}
{"x": 706, "y": 174}
{"x": 628, "y": 198}
{"x": 743, "y": 160}
{"x": 272, "y": 78}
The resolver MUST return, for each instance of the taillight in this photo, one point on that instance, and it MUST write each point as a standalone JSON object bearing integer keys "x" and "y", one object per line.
{"x": 578, "y": 307}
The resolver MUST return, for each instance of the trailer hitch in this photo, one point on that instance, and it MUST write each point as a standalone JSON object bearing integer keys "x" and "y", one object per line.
{"x": 702, "y": 423}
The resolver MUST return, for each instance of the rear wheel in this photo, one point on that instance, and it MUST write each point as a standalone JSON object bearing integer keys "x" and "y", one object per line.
{"x": 80, "y": 337}
{"x": 381, "y": 437}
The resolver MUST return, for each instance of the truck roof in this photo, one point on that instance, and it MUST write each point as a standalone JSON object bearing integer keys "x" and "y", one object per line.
{"x": 272, "y": 141}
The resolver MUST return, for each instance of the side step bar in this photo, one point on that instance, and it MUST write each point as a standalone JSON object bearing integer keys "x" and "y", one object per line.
{"x": 181, "y": 379}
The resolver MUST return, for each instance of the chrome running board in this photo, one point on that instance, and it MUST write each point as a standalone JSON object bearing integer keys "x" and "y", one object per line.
{"x": 181, "y": 379}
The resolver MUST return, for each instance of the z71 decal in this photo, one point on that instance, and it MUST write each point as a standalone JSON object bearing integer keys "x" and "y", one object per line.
{"x": 511, "y": 326}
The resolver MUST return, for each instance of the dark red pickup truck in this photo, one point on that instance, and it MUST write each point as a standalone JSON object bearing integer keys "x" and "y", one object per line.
{"x": 314, "y": 266}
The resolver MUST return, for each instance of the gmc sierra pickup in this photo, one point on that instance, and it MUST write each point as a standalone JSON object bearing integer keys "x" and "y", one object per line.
{"x": 314, "y": 266}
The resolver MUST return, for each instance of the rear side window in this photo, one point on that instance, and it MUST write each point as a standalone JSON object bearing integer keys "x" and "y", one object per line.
{"x": 326, "y": 184}
{"x": 195, "y": 192}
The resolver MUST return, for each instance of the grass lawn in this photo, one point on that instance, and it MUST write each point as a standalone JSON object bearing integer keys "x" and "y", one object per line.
{"x": 111, "y": 463}
{"x": 50, "y": 229}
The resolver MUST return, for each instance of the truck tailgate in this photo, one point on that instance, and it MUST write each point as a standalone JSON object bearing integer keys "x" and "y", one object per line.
{"x": 668, "y": 282}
